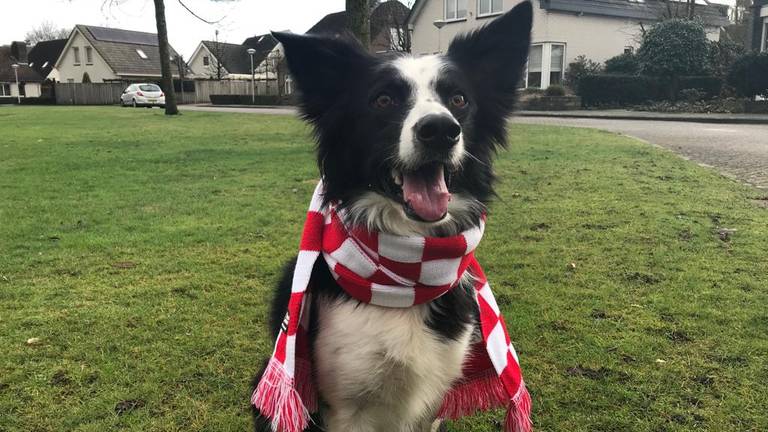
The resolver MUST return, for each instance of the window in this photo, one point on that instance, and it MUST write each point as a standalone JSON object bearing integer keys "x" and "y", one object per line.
{"x": 489, "y": 7}
{"x": 70, "y": 80}
{"x": 45, "y": 65}
{"x": 5, "y": 89}
{"x": 765, "y": 36}
{"x": 149, "y": 88}
{"x": 534, "y": 66}
{"x": 546, "y": 65}
{"x": 556, "y": 66}
{"x": 76, "y": 52}
{"x": 455, "y": 9}
{"x": 88, "y": 55}
{"x": 141, "y": 53}
{"x": 628, "y": 50}
{"x": 206, "y": 61}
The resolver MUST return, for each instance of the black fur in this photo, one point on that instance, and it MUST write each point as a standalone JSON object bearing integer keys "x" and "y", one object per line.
{"x": 357, "y": 141}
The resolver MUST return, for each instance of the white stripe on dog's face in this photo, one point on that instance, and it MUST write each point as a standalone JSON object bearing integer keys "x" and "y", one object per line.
{"x": 422, "y": 74}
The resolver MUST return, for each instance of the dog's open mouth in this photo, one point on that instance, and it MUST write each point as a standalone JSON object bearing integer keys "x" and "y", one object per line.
{"x": 425, "y": 191}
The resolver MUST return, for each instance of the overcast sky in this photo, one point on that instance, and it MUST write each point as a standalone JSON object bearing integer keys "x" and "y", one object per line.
{"x": 239, "y": 18}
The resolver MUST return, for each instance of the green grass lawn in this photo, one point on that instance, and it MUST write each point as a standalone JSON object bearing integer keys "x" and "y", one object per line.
{"x": 141, "y": 251}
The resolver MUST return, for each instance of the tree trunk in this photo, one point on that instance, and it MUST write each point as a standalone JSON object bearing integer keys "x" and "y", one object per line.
{"x": 165, "y": 59}
{"x": 359, "y": 20}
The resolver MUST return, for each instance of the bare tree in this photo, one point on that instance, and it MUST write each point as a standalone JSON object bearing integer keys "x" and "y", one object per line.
{"x": 679, "y": 9}
{"x": 216, "y": 66}
{"x": 359, "y": 20}
{"x": 400, "y": 35}
{"x": 44, "y": 32}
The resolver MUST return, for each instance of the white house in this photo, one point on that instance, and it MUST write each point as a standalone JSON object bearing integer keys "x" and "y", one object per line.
{"x": 99, "y": 54}
{"x": 17, "y": 78}
{"x": 562, "y": 29}
{"x": 761, "y": 25}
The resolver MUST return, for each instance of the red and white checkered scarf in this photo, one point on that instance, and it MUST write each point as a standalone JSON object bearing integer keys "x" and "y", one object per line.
{"x": 390, "y": 271}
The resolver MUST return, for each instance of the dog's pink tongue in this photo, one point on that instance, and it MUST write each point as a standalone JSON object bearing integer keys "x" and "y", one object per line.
{"x": 427, "y": 193}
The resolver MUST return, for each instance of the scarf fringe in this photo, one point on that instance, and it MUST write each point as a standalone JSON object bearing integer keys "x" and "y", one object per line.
{"x": 484, "y": 393}
{"x": 475, "y": 394}
{"x": 519, "y": 412}
{"x": 279, "y": 399}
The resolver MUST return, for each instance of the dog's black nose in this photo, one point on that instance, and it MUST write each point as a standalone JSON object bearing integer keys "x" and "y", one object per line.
{"x": 437, "y": 131}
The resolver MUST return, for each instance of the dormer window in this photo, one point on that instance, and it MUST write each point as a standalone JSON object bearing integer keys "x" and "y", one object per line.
{"x": 141, "y": 54}
{"x": 45, "y": 65}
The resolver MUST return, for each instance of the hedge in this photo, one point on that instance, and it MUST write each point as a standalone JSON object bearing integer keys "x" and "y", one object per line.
{"x": 218, "y": 99}
{"x": 612, "y": 90}
{"x": 617, "y": 89}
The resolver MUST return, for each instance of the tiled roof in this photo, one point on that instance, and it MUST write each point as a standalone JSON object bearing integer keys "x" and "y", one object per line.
{"x": 385, "y": 16}
{"x": 234, "y": 58}
{"x": 119, "y": 48}
{"x": 44, "y": 54}
{"x": 26, "y": 73}
{"x": 712, "y": 14}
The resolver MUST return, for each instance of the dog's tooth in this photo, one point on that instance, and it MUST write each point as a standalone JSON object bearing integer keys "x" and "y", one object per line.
{"x": 398, "y": 179}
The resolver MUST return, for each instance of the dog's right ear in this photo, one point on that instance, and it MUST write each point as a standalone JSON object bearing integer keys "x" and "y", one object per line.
{"x": 321, "y": 67}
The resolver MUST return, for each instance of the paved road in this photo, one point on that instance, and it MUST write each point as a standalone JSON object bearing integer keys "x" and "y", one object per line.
{"x": 739, "y": 151}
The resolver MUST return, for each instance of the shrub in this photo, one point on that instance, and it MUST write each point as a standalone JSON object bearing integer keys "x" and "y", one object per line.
{"x": 626, "y": 64}
{"x": 225, "y": 99}
{"x": 721, "y": 56}
{"x": 598, "y": 90}
{"x": 709, "y": 86}
{"x": 674, "y": 48}
{"x": 749, "y": 75}
{"x": 579, "y": 68}
{"x": 555, "y": 90}
{"x": 693, "y": 95}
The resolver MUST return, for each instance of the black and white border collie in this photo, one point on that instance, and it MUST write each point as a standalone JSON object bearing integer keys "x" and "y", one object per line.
{"x": 406, "y": 145}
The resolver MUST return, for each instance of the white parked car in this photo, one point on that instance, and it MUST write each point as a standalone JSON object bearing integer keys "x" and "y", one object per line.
{"x": 146, "y": 95}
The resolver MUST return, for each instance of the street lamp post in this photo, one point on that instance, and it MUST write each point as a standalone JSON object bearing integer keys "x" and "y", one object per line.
{"x": 439, "y": 24}
{"x": 251, "y": 52}
{"x": 18, "y": 88}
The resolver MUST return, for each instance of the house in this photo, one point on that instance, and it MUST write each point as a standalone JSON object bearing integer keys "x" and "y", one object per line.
{"x": 20, "y": 81}
{"x": 562, "y": 29}
{"x": 43, "y": 56}
{"x": 220, "y": 60}
{"x": 760, "y": 25}
{"x": 99, "y": 54}
{"x": 388, "y": 29}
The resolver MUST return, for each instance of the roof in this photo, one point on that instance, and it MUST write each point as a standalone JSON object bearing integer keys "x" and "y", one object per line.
{"x": 44, "y": 54}
{"x": 234, "y": 58}
{"x": 119, "y": 49}
{"x": 383, "y": 17}
{"x": 26, "y": 73}
{"x": 263, "y": 44}
{"x": 713, "y": 14}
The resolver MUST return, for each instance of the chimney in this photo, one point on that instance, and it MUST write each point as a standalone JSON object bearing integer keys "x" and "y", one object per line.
{"x": 19, "y": 51}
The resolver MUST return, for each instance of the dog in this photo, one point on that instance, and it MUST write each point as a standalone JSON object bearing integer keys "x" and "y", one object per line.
{"x": 405, "y": 145}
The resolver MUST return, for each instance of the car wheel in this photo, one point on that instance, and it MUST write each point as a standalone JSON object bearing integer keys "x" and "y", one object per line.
{"x": 134, "y": 103}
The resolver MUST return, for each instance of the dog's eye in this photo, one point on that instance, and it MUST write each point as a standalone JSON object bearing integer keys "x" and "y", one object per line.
{"x": 458, "y": 100}
{"x": 383, "y": 101}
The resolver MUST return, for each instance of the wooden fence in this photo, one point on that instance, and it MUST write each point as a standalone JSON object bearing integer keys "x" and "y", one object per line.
{"x": 89, "y": 93}
{"x": 109, "y": 93}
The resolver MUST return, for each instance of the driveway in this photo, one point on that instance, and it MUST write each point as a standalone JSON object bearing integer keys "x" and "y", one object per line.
{"x": 738, "y": 151}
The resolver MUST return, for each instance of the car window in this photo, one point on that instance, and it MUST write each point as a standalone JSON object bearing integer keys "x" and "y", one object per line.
{"x": 149, "y": 88}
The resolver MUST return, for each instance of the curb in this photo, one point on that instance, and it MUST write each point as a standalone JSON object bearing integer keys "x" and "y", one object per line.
{"x": 704, "y": 118}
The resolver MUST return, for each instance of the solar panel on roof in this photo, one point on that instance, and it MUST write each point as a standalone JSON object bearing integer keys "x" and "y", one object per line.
{"x": 123, "y": 36}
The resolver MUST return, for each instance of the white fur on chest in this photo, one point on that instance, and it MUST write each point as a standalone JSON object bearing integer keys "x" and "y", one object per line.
{"x": 382, "y": 369}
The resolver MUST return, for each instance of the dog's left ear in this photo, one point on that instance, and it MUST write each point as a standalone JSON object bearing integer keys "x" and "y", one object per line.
{"x": 494, "y": 55}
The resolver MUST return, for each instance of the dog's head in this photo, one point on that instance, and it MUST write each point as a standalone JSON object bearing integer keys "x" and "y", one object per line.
{"x": 409, "y": 141}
